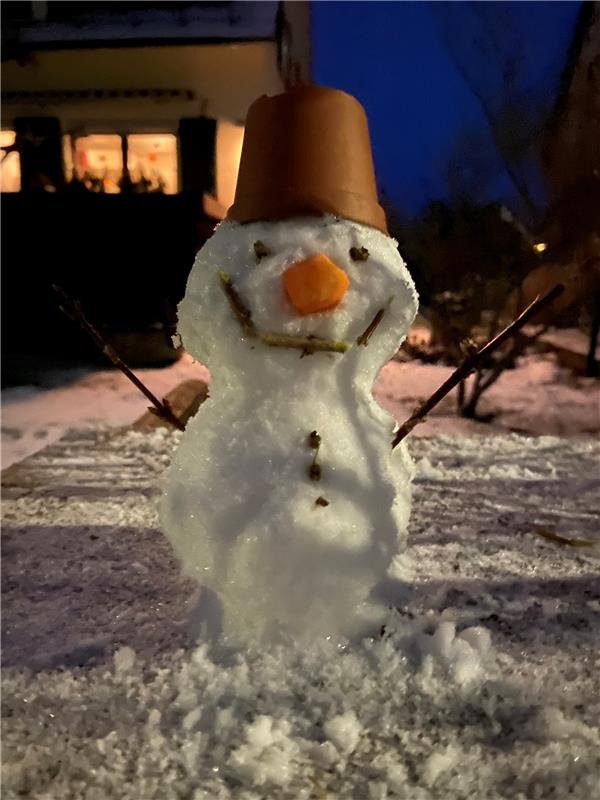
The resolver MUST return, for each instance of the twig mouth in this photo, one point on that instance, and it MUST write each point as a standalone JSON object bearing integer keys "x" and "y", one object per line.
{"x": 308, "y": 344}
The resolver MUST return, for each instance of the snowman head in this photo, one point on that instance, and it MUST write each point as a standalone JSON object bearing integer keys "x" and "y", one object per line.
{"x": 370, "y": 295}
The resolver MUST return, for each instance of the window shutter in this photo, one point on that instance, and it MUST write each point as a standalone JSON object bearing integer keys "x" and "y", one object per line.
{"x": 40, "y": 150}
{"x": 197, "y": 154}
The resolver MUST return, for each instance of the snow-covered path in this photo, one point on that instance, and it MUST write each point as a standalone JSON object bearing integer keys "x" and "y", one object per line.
{"x": 105, "y": 696}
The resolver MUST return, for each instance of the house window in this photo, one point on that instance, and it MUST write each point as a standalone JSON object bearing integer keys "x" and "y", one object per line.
{"x": 142, "y": 162}
{"x": 10, "y": 168}
{"x": 96, "y": 161}
{"x": 152, "y": 158}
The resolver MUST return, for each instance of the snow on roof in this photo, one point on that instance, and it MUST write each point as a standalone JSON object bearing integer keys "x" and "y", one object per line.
{"x": 118, "y": 22}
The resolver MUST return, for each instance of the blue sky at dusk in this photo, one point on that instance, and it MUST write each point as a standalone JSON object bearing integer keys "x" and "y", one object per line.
{"x": 391, "y": 57}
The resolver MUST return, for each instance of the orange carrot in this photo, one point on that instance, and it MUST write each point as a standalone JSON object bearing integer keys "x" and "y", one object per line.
{"x": 316, "y": 284}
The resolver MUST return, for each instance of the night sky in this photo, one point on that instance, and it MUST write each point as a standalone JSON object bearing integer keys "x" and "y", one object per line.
{"x": 390, "y": 55}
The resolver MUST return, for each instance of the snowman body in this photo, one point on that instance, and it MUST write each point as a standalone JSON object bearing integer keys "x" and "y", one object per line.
{"x": 281, "y": 544}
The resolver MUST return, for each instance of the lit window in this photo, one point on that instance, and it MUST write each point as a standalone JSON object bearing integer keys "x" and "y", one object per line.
{"x": 152, "y": 161}
{"x": 97, "y": 161}
{"x": 10, "y": 169}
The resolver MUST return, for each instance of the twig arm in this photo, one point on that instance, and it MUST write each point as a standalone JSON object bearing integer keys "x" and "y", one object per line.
{"x": 73, "y": 310}
{"x": 471, "y": 362}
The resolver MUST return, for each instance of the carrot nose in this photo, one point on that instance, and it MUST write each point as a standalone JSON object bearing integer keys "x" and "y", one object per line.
{"x": 316, "y": 284}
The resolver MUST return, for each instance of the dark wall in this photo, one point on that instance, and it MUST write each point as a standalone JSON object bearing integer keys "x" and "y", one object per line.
{"x": 126, "y": 257}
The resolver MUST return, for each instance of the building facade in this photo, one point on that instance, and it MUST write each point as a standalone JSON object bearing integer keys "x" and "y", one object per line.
{"x": 121, "y": 131}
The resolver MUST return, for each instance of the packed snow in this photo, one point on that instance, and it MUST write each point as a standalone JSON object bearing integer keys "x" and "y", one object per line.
{"x": 483, "y": 683}
{"x": 280, "y": 547}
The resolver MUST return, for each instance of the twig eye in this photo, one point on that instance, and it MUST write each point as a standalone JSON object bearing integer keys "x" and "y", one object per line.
{"x": 261, "y": 250}
{"x": 359, "y": 253}
{"x": 314, "y": 440}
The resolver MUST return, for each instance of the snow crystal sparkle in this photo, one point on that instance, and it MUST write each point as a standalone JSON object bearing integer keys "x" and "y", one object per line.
{"x": 284, "y": 498}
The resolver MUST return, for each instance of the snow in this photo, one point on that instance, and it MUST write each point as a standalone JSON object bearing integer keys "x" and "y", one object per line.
{"x": 240, "y": 506}
{"x": 35, "y": 416}
{"x": 344, "y": 731}
{"x": 461, "y": 655}
{"x": 439, "y": 762}
{"x": 105, "y": 695}
{"x": 536, "y": 398}
{"x": 124, "y": 659}
{"x": 268, "y": 755}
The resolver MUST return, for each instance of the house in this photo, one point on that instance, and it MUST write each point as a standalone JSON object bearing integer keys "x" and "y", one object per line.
{"x": 122, "y": 126}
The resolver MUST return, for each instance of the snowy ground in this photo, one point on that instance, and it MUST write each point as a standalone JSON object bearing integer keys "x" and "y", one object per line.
{"x": 485, "y": 683}
{"x": 536, "y": 398}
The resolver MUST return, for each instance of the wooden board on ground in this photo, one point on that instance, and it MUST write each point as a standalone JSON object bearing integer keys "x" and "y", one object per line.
{"x": 185, "y": 399}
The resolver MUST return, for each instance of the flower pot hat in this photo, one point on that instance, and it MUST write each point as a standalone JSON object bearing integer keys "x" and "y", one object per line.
{"x": 307, "y": 152}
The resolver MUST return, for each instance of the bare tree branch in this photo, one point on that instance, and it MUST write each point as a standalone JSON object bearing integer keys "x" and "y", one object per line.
{"x": 489, "y": 47}
{"x": 471, "y": 362}
{"x": 73, "y": 310}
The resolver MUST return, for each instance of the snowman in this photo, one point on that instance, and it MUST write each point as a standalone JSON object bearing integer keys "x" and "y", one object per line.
{"x": 284, "y": 499}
